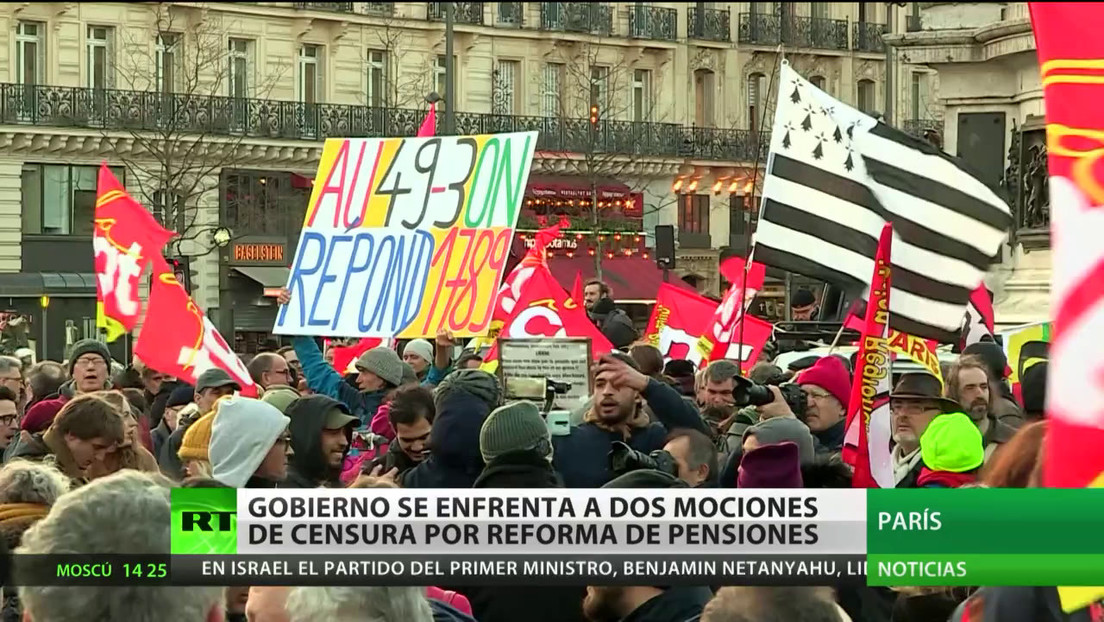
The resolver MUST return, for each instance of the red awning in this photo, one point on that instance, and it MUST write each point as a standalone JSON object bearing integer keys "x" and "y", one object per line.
{"x": 574, "y": 187}
{"x": 633, "y": 279}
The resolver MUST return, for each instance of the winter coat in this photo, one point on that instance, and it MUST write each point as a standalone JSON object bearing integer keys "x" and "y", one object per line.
{"x": 831, "y": 439}
{"x": 393, "y": 458}
{"x": 924, "y": 607}
{"x": 454, "y": 460}
{"x": 614, "y": 323}
{"x": 160, "y": 435}
{"x": 169, "y": 458}
{"x": 519, "y": 469}
{"x": 675, "y": 604}
{"x": 1021, "y": 604}
{"x": 443, "y": 612}
{"x": 49, "y": 448}
{"x": 912, "y": 479}
{"x": 307, "y": 467}
{"x": 998, "y": 434}
{"x": 582, "y": 457}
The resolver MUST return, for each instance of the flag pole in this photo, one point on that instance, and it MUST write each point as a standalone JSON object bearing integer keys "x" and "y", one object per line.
{"x": 751, "y": 189}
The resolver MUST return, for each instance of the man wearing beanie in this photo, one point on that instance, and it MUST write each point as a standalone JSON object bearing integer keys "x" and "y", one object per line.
{"x": 827, "y": 387}
{"x": 1003, "y": 404}
{"x": 379, "y": 371}
{"x": 180, "y": 396}
{"x": 89, "y": 368}
{"x": 250, "y": 444}
{"x": 321, "y": 432}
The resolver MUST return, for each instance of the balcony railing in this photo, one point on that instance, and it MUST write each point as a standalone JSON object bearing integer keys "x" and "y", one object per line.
{"x": 464, "y": 13}
{"x": 867, "y": 37}
{"x": 180, "y": 114}
{"x": 582, "y": 17}
{"x": 801, "y": 32}
{"x": 709, "y": 24}
{"x": 366, "y": 8}
{"x": 651, "y": 22}
{"x": 511, "y": 14}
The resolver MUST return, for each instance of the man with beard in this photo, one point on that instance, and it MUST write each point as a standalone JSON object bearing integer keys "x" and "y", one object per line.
{"x": 616, "y": 414}
{"x": 9, "y": 417}
{"x": 410, "y": 414}
{"x": 718, "y": 402}
{"x": 913, "y": 404}
{"x": 614, "y": 323}
{"x": 969, "y": 382}
{"x": 89, "y": 366}
{"x": 321, "y": 429}
{"x": 640, "y": 603}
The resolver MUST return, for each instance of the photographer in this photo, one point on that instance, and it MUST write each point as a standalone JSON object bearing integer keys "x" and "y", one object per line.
{"x": 616, "y": 414}
{"x": 695, "y": 456}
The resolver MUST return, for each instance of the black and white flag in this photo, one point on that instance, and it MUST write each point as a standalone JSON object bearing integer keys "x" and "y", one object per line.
{"x": 835, "y": 176}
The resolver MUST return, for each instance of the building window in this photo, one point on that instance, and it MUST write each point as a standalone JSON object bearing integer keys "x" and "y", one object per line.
{"x": 99, "y": 47}
{"x": 551, "y": 78}
{"x": 704, "y": 89}
{"x": 819, "y": 82}
{"x": 30, "y": 53}
{"x": 377, "y": 78}
{"x": 440, "y": 78}
{"x": 919, "y": 95}
{"x": 763, "y": 8}
{"x": 504, "y": 87}
{"x": 642, "y": 95}
{"x": 599, "y": 89}
{"x": 756, "y": 97}
{"x": 168, "y": 57}
{"x": 240, "y": 54}
{"x": 168, "y": 208}
{"x": 694, "y": 215}
{"x": 310, "y": 73}
{"x": 865, "y": 97}
{"x": 59, "y": 199}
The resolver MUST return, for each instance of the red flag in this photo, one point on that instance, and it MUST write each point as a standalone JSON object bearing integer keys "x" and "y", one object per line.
{"x": 178, "y": 339}
{"x": 721, "y": 340}
{"x": 429, "y": 124}
{"x": 678, "y": 321}
{"x": 545, "y": 310}
{"x": 124, "y": 238}
{"x": 869, "y": 428}
{"x": 979, "y": 316}
{"x": 514, "y": 283}
{"x": 577, "y": 288}
{"x": 344, "y": 356}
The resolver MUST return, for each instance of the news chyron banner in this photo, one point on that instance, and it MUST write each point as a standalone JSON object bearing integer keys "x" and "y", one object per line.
{"x": 529, "y": 537}
{"x": 404, "y": 237}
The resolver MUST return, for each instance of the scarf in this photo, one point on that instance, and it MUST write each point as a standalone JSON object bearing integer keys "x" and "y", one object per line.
{"x": 903, "y": 463}
{"x": 12, "y": 513}
{"x": 637, "y": 421}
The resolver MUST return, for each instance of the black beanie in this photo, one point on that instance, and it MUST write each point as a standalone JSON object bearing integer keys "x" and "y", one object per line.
{"x": 992, "y": 354}
{"x": 89, "y": 346}
{"x": 1033, "y": 387}
{"x": 802, "y": 298}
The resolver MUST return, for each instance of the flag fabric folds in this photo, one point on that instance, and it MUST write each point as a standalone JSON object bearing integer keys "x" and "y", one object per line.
{"x": 678, "y": 321}
{"x": 722, "y": 339}
{"x": 835, "y": 176}
{"x": 125, "y": 237}
{"x": 429, "y": 124}
{"x": 869, "y": 427}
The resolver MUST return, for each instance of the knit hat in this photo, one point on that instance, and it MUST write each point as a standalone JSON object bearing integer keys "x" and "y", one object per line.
{"x": 89, "y": 346}
{"x": 421, "y": 347}
{"x": 409, "y": 376}
{"x": 517, "y": 426}
{"x": 474, "y": 381}
{"x": 383, "y": 362}
{"x": 952, "y": 443}
{"x": 1033, "y": 388}
{"x": 802, "y": 298}
{"x": 771, "y": 466}
{"x": 991, "y": 354}
{"x": 280, "y": 396}
{"x": 182, "y": 395}
{"x": 784, "y": 429}
{"x": 829, "y": 374}
{"x": 196, "y": 439}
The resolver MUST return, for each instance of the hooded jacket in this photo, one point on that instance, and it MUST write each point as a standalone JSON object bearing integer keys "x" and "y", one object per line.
{"x": 307, "y": 467}
{"x": 50, "y": 448}
{"x": 244, "y": 431}
{"x": 614, "y": 323}
{"x": 454, "y": 460}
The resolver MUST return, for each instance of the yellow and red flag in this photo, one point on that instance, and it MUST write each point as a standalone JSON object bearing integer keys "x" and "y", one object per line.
{"x": 1071, "y": 61}
{"x": 125, "y": 237}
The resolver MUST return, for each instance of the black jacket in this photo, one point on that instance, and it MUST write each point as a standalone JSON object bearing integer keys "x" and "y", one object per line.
{"x": 307, "y": 467}
{"x": 522, "y": 469}
{"x": 676, "y": 604}
{"x": 614, "y": 323}
{"x": 393, "y": 458}
{"x": 454, "y": 460}
{"x": 159, "y": 435}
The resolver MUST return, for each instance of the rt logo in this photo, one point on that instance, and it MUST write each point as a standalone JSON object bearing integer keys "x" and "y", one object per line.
{"x": 206, "y": 521}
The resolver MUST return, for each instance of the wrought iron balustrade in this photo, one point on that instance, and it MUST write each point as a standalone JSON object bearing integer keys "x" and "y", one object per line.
{"x": 652, "y": 22}
{"x": 867, "y": 37}
{"x": 464, "y": 13}
{"x": 817, "y": 33}
{"x": 581, "y": 17}
{"x": 759, "y": 28}
{"x": 366, "y": 8}
{"x": 709, "y": 24}
{"x": 336, "y": 7}
{"x": 183, "y": 114}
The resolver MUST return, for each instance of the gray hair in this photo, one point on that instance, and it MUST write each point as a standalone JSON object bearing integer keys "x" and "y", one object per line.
{"x": 22, "y": 481}
{"x": 126, "y": 512}
{"x": 8, "y": 363}
{"x": 359, "y": 604}
{"x": 721, "y": 370}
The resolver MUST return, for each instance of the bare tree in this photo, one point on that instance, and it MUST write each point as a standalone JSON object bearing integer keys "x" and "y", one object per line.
{"x": 193, "y": 115}
{"x": 616, "y": 96}
{"x": 398, "y": 82}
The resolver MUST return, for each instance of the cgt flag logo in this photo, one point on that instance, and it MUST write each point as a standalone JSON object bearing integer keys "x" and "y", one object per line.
{"x": 204, "y": 521}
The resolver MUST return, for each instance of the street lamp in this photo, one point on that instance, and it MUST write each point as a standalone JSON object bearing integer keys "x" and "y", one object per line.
{"x": 222, "y": 236}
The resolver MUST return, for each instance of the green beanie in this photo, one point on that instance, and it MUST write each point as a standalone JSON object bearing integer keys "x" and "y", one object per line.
{"x": 517, "y": 426}
{"x": 952, "y": 443}
{"x": 281, "y": 396}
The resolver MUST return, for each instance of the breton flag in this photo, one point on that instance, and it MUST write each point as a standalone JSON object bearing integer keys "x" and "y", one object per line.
{"x": 835, "y": 176}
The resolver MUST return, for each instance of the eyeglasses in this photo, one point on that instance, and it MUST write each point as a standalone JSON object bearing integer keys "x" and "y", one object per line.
{"x": 7, "y": 420}
{"x": 817, "y": 395}
{"x": 91, "y": 361}
{"x": 912, "y": 408}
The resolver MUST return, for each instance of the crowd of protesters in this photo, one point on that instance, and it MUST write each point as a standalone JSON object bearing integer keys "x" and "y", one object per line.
{"x": 91, "y": 450}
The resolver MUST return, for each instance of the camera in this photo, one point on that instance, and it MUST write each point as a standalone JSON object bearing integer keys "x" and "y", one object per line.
{"x": 546, "y": 389}
{"x": 747, "y": 393}
{"x": 624, "y": 459}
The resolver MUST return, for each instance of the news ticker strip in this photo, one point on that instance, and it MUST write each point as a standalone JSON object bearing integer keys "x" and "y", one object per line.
{"x": 475, "y": 570}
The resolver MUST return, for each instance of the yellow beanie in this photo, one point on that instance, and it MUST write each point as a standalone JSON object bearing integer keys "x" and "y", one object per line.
{"x": 197, "y": 438}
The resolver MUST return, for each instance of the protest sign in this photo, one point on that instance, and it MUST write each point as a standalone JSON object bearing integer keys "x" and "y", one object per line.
{"x": 566, "y": 359}
{"x": 406, "y": 236}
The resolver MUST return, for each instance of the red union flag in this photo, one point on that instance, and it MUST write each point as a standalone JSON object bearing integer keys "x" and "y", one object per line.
{"x": 178, "y": 339}
{"x": 1071, "y": 61}
{"x": 124, "y": 239}
{"x": 678, "y": 321}
{"x": 721, "y": 341}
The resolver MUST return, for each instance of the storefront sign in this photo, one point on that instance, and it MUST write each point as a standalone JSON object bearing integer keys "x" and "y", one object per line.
{"x": 258, "y": 252}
